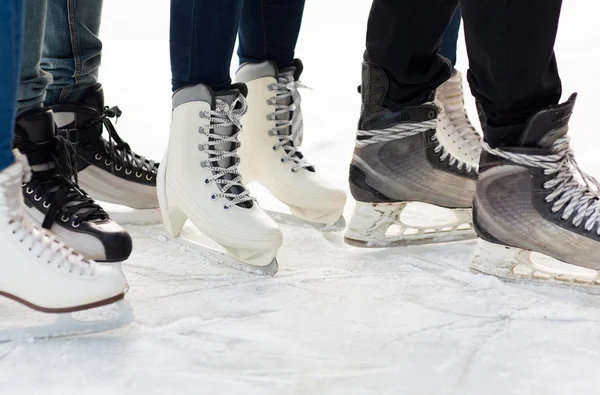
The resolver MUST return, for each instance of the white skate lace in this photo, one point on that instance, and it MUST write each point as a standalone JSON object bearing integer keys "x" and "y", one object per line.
{"x": 37, "y": 241}
{"x": 225, "y": 116}
{"x": 285, "y": 88}
{"x": 451, "y": 97}
{"x": 569, "y": 194}
{"x": 396, "y": 132}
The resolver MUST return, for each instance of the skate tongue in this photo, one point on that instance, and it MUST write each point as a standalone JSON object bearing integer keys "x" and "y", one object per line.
{"x": 548, "y": 125}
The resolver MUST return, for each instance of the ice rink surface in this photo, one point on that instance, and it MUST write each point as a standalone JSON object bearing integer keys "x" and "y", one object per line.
{"x": 336, "y": 319}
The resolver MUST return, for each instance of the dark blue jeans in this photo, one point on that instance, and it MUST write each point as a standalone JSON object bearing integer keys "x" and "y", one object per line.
{"x": 203, "y": 34}
{"x": 450, "y": 38}
{"x": 12, "y": 17}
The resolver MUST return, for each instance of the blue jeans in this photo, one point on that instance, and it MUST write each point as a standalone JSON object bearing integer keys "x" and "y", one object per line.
{"x": 61, "y": 51}
{"x": 11, "y": 31}
{"x": 203, "y": 34}
{"x": 450, "y": 38}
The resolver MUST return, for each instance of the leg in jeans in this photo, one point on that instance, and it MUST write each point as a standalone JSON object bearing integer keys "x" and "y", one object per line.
{"x": 202, "y": 39}
{"x": 269, "y": 31}
{"x": 11, "y": 28}
{"x": 34, "y": 80}
{"x": 513, "y": 72}
{"x": 72, "y": 49}
{"x": 450, "y": 38}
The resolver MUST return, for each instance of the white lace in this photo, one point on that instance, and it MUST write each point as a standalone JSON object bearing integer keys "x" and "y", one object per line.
{"x": 285, "y": 88}
{"x": 396, "y": 132}
{"x": 568, "y": 194}
{"x": 44, "y": 245}
{"x": 453, "y": 159}
{"x": 451, "y": 98}
{"x": 225, "y": 116}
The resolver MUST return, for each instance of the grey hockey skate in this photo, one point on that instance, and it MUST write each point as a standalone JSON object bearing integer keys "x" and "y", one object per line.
{"x": 401, "y": 159}
{"x": 534, "y": 219}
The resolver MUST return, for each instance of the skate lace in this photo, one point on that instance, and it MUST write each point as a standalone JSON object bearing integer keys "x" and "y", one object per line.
{"x": 569, "y": 194}
{"x": 119, "y": 153}
{"x": 396, "y": 132}
{"x": 451, "y": 98}
{"x": 37, "y": 241}
{"x": 291, "y": 139}
{"x": 229, "y": 178}
{"x": 53, "y": 183}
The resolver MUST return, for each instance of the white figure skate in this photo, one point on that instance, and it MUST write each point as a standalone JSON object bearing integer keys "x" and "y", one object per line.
{"x": 270, "y": 148}
{"x": 199, "y": 179}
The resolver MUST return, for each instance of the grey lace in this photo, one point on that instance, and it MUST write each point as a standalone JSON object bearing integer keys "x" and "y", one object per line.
{"x": 225, "y": 116}
{"x": 568, "y": 194}
{"x": 285, "y": 88}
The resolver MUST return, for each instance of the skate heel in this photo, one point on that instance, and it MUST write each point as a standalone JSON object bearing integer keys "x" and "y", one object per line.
{"x": 370, "y": 222}
{"x": 495, "y": 259}
{"x": 173, "y": 218}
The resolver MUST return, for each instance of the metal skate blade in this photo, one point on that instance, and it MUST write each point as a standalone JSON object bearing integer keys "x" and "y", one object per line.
{"x": 131, "y": 216}
{"x": 101, "y": 319}
{"x": 290, "y": 219}
{"x": 194, "y": 241}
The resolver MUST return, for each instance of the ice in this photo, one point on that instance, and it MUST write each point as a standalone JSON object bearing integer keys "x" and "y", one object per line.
{"x": 336, "y": 319}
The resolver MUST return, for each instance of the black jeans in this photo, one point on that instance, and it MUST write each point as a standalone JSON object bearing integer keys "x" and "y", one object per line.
{"x": 510, "y": 43}
{"x": 203, "y": 34}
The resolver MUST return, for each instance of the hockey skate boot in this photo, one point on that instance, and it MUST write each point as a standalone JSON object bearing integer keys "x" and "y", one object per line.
{"x": 537, "y": 214}
{"x": 199, "y": 179}
{"x": 270, "y": 146}
{"x": 42, "y": 273}
{"x": 454, "y": 130}
{"x": 55, "y": 202}
{"x": 401, "y": 159}
{"x": 108, "y": 169}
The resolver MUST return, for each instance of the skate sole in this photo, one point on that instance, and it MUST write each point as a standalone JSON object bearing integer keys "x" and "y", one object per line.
{"x": 409, "y": 242}
{"x": 290, "y": 219}
{"x": 73, "y": 309}
{"x": 518, "y": 265}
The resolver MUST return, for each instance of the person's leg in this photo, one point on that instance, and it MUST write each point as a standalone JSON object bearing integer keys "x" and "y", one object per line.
{"x": 11, "y": 28}
{"x": 202, "y": 39}
{"x": 34, "y": 80}
{"x": 269, "y": 30}
{"x": 72, "y": 49}
{"x": 450, "y": 38}
{"x": 513, "y": 72}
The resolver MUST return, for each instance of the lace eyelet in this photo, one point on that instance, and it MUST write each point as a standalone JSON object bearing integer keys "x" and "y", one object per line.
{"x": 65, "y": 219}
{"x": 98, "y": 157}
{"x": 118, "y": 168}
{"x": 275, "y": 148}
{"x": 76, "y": 225}
{"x": 148, "y": 178}
{"x": 138, "y": 175}
{"x": 29, "y": 191}
{"x": 293, "y": 170}
{"x": 200, "y": 147}
{"x": 213, "y": 197}
{"x": 128, "y": 172}
{"x": 207, "y": 181}
{"x": 107, "y": 162}
{"x": 226, "y": 207}
{"x": 282, "y": 160}
{"x": 46, "y": 204}
{"x": 37, "y": 198}
{"x": 23, "y": 184}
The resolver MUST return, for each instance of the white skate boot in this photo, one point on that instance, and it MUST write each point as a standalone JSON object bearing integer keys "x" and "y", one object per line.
{"x": 402, "y": 161}
{"x": 199, "y": 179}
{"x": 455, "y": 131}
{"x": 270, "y": 147}
{"x": 38, "y": 271}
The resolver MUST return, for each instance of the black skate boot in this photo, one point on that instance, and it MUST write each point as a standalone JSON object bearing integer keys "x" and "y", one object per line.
{"x": 55, "y": 202}
{"x": 108, "y": 169}
{"x": 536, "y": 212}
{"x": 401, "y": 159}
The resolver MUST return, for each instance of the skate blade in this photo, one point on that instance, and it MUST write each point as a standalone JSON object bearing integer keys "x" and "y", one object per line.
{"x": 517, "y": 264}
{"x": 101, "y": 319}
{"x": 290, "y": 219}
{"x": 131, "y": 216}
{"x": 380, "y": 225}
{"x": 194, "y": 241}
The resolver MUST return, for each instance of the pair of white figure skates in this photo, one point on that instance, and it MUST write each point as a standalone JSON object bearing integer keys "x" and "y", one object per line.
{"x": 535, "y": 213}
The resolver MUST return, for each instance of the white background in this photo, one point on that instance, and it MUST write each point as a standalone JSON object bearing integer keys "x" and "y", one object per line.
{"x": 335, "y": 320}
